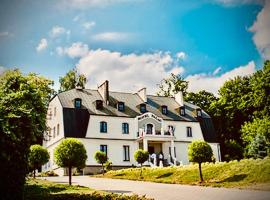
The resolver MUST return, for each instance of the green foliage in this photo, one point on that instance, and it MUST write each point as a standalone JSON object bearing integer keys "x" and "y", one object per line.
{"x": 101, "y": 158}
{"x": 45, "y": 190}
{"x": 70, "y": 153}
{"x": 47, "y": 173}
{"x": 108, "y": 165}
{"x": 71, "y": 80}
{"x": 172, "y": 85}
{"x": 38, "y": 156}
{"x": 199, "y": 151}
{"x": 246, "y": 173}
{"x": 23, "y": 109}
{"x": 141, "y": 156}
{"x": 256, "y": 136}
{"x": 234, "y": 150}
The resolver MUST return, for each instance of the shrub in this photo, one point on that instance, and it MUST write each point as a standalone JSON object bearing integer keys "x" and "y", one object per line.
{"x": 70, "y": 153}
{"x": 108, "y": 165}
{"x": 141, "y": 156}
{"x": 101, "y": 158}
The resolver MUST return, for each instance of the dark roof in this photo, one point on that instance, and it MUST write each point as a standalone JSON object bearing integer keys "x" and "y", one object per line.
{"x": 132, "y": 108}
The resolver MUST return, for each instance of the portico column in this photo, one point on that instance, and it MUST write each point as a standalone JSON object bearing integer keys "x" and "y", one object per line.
{"x": 145, "y": 145}
{"x": 172, "y": 152}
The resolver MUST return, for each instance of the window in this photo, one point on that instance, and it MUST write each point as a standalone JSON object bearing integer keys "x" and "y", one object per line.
{"x": 121, "y": 106}
{"x": 143, "y": 108}
{"x": 58, "y": 129}
{"x": 182, "y": 111}
{"x": 78, "y": 103}
{"x": 125, "y": 128}
{"x": 103, "y": 127}
{"x": 104, "y": 148}
{"x": 164, "y": 110}
{"x": 189, "y": 132}
{"x": 99, "y": 104}
{"x": 199, "y": 112}
{"x": 54, "y": 132}
{"x": 126, "y": 153}
{"x": 149, "y": 129}
{"x": 54, "y": 111}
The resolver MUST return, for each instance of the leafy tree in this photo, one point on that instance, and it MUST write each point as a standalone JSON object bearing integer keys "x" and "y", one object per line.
{"x": 71, "y": 80}
{"x": 203, "y": 99}
{"x": 141, "y": 156}
{"x": 38, "y": 156}
{"x": 255, "y": 134}
{"x": 199, "y": 152}
{"x": 172, "y": 85}
{"x": 23, "y": 109}
{"x": 234, "y": 150}
{"x": 101, "y": 158}
{"x": 70, "y": 153}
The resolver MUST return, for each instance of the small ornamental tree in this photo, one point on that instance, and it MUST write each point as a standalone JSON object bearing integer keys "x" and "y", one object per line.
{"x": 141, "y": 156}
{"x": 101, "y": 158}
{"x": 70, "y": 153}
{"x": 37, "y": 157}
{"x": 199, "y": 152}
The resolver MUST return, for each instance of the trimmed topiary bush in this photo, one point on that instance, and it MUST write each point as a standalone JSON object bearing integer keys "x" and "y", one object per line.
{"x": 141, "y": 156}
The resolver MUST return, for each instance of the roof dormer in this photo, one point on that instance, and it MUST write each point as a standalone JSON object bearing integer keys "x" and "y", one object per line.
{"x": 77, "y": 103}
{"x": 121, "y": 106}
{"x": 99, "y": 104}
{"x": 164, "y": 109}
{"x": 182, "y": 111}
{"x": 199, "y": 112}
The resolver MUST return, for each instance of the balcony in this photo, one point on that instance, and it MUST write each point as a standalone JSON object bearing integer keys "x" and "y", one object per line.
{"x": 155, "y": 135}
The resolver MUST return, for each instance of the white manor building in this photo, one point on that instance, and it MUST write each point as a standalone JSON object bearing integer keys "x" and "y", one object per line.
{"x": 119, "y": 123}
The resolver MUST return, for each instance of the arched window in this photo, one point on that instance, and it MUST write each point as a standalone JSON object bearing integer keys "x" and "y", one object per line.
{"x": 149, "y": 129}
{"x": 103, "y": 127}
{"x": 78, "y": 103}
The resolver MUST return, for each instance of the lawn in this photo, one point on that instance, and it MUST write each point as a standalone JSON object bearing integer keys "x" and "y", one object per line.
{"x": 36, "y": 189}
{"x": 247, "y": 173}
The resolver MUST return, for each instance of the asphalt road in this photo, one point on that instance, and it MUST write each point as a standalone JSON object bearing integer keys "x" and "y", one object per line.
{"x": 160, "y": 191}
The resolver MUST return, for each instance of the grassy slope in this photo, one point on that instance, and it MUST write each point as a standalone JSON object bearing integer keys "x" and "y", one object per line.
{"x": 36, "y": 189}
{"x": 247, "y": 173}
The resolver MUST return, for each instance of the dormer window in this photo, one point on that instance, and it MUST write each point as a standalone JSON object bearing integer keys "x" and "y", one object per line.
{"x": 199, "y": 112}
{"x": 99, "y": 104}
{"x": 121, "y": 106}
{"x": 78, "y": 103}
{"x": 143, "y": 108}
{"x": 182, "y": 111}
{"x": 164, "y": 110}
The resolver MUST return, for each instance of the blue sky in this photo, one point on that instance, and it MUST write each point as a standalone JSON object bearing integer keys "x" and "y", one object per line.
{"x": 135, "y": 42}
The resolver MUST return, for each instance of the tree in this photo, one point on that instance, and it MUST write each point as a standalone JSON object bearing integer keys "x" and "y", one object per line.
{"x": 141, "y": 156}
{"x": 199, "y": 152}
{"x": 23, "y": 109}
{"x": 70, "y": 153}
{"x": 101, "y": 158}
{"x": 38, "y": 156}
{"x": 71, "y": 80}
{"x": 255, "y": 134}
{"x": 172, "y": 85}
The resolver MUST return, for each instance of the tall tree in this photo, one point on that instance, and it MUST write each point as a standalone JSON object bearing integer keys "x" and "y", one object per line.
{"x": 71, "y": 80}
{"x": 23, "y": 109}
{"x": 172, "y": 85}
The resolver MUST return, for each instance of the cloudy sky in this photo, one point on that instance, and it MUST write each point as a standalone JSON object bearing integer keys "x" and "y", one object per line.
{"x": 136, "y": 43}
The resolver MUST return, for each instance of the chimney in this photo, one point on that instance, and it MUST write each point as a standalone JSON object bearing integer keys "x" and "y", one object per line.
{"x": 103, "y": 90}
{"x": 142, "y": 94}
{"x": 179, "y": 98}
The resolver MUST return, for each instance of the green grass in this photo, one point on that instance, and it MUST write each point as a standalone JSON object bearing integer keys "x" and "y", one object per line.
{"x": 247, "y": 173}
{"x": 36, "y": 189}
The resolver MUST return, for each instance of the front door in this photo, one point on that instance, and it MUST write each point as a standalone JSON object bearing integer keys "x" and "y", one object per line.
{"x": 151, "y": 149}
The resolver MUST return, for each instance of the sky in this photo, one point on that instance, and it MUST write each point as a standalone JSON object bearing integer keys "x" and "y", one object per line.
{"x": 136, "y": 43}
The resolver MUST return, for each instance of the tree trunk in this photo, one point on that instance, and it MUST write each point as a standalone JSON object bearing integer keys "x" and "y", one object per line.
{"x": 69, "y": 174}
{"x": 34, "y": 173}
{"x": 102, "y": 169}
{"x": 141, "y": 170}
{"x": 200, "y": 171}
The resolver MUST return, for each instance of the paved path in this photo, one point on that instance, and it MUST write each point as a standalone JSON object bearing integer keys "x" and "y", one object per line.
{"x": 160, "y": 191}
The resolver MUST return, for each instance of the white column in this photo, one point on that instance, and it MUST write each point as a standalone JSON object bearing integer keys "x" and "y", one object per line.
{"x": 145, "y": 144}
{"x": 162, "y": 127}
{"x": 172, "y": 152}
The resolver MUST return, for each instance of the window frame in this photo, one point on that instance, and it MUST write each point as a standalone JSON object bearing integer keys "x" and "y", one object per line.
{"x": 125, "y": 128}
{"x": 164, "y": 108}
{"x": 126, "y": 153}
{"x": 182, "y": 111}
{"x": 189, "y": 131}
{"x": 119, "y": 108}
{"x": 78, "y": 100}
{"x": 143, "y": 105}
{"x": 101, "y": 148}
{"x": 102, "y": 128}
{"x": 58, "y": 129}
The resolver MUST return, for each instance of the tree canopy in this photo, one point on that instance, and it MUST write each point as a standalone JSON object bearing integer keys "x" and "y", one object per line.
{"x": 141, "y": 156}
{"x": 38, "y": 156}
{"x": 71, "y": 80}
{"x": 101, "y": 158}
{"x": 23, "y": 109}
{"x": 70, "y": 153}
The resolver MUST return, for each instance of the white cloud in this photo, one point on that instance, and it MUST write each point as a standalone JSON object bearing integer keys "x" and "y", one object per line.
{"x": 212, "y": 84}
{"x": 112, "y": 36}
{"x": 181, "y": 55}
{"x": 127, "y": 72}
{"x": 76, "y": 50}
{"x": 2, "y": 69}
{"x": 89, "y": 25}
{"x": 4, "y": 33}
{"x": 42, "y": 45}
{"x": 57, "y": 31}
{"x": 261, "y": 30}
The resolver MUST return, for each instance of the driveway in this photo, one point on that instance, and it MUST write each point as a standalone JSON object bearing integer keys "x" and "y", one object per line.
{"x": 161, "y": 191}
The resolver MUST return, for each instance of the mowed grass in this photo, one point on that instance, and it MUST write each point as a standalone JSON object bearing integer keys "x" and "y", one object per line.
{"x": 247, "y": 173}
{"x": 36, "y": 189}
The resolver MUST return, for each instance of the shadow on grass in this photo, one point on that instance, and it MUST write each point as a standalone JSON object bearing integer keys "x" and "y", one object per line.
{"x": 165, "y": 175}
{"x": 122, "y": 174}
{"x": 235, "y": 178}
